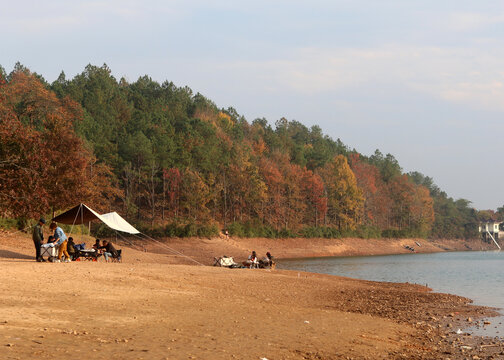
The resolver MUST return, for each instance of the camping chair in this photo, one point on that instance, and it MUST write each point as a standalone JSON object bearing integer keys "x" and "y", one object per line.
{"x": 225, "y": 261}
{"x": 118, "y": 258}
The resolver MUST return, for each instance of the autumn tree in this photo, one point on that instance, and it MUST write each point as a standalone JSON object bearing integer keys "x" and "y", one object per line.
{"x": 172, "y": 180}
{"x": 58, "y": 160}
{"x": 344, "y": 198}
{"x": 368, "y": 180}
{"x": 194, "y": 196}
{"x": 168, "y": 154}
{"x": 22, "y": 192}
{"x": 274, "y": 204}
{"x": 312, "y": 187}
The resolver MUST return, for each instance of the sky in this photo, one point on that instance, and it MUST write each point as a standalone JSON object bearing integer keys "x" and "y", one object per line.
{"x": 420, "y": 79}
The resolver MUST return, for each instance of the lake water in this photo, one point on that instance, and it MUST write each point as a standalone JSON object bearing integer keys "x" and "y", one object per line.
{"x": 476, "y": 275}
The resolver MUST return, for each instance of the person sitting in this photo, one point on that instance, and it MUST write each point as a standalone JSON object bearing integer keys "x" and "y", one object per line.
{"x": 267, "y": 261}
{"x": 110, "y": 250}
{"x": 50, "y": 242}
{"x": 71, "y": 248}
{"x": 252, "y": 261}
{"x": 96, "y": 245}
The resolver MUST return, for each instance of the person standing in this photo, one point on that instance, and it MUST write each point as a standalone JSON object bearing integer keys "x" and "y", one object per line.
{"x": 60, "y": 240}
{"x": 38, "y": 238}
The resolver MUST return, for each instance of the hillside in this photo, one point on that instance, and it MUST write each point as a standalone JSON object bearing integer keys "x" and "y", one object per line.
{"x": 177, "y": 165}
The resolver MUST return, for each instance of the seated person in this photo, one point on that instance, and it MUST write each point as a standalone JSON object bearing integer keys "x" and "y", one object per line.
{"x": 110, "y": 250}
{"x": 267, "y": 261}
{"x": 252, "y": 261}
{"x": 71, "y": 248}
{"x": 97, "y": 245}
{"x": 50, "y": 242}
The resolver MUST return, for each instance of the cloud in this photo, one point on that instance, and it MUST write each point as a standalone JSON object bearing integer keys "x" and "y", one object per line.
{"x": 39, "y": 18}
{"x": 40, "y": 25}
{"x": 471, "y": 21}
{"x": 466, "y": 76}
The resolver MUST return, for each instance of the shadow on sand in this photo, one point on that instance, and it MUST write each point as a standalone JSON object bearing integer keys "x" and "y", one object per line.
{"x": 7, "y": 254}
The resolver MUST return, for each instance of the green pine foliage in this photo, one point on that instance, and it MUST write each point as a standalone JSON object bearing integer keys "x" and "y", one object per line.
{"x": 183, "y": 165}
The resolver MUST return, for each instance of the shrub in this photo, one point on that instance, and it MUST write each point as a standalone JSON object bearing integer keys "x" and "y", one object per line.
{"x": 236, "y": 229}
{"x": 190, "y": 230}
{"x": 9, "y": 223}
{"x": 208, "y": 230}
{"x": 103, "y": 231}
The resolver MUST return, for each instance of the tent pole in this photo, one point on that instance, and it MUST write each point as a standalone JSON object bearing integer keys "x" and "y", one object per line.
{"x": 80, "y": 209}
{"x": 82, "y": 223}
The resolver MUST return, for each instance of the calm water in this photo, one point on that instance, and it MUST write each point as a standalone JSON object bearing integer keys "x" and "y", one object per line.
{"x": 476, "y": 275}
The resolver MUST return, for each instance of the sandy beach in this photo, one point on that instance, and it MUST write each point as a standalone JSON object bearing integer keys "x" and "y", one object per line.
{"x": 155, "y": 305}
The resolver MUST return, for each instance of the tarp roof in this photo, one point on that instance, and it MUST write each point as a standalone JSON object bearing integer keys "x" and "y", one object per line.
{"x": 77, "y": 215}
{"x": 82, "y": 213}
{"x": 116, "y": 222}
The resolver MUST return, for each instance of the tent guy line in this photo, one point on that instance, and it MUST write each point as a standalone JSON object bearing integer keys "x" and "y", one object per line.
{"x": 136, "y": 246}
{"x": 171, "y": 249}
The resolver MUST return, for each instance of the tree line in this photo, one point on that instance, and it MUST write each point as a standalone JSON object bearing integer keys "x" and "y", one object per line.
{"x": 174, "y": 162}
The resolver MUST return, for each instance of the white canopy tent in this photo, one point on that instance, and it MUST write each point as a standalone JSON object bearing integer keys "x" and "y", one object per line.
{"x": 82, "y": 213}
{"x": 115, "y": 221}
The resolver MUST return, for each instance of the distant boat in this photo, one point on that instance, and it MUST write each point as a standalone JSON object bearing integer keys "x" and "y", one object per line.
{"x": 418, "y": 244}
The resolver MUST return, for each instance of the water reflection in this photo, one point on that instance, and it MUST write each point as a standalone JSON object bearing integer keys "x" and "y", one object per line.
{"x": 476, "y": 275}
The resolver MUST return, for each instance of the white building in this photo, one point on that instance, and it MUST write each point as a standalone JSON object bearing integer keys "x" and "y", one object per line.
{"x": 491, "y": 229}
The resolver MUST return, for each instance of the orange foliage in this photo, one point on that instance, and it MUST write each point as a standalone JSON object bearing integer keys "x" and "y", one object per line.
{"x": 39, "y": 128}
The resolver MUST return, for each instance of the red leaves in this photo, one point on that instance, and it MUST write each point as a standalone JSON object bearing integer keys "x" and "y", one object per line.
{"x": 313, "y": 190}
{"x": 44, "y": 163}
{"x": 21, "y": 169}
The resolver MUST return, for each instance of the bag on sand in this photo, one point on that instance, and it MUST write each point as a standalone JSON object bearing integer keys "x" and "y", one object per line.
{"x": 80, "y": 246}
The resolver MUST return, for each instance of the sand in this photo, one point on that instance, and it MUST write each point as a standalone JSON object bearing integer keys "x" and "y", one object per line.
{"x": 153, "y": 306}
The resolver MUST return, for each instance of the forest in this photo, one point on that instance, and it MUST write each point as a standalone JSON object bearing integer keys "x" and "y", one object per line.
{"x": 175, "y": 164}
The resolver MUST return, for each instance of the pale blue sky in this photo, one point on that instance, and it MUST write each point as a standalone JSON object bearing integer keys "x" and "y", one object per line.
{"x": 423, "y": 80}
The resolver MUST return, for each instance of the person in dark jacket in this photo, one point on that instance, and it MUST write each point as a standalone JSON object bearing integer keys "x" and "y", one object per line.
{"x": 267, "y": 261}
{"x": 110, "y": 250}
{"x": 96, "y": 245}
{"x": 71, "y": 248}
{"x": 38, "y": 238}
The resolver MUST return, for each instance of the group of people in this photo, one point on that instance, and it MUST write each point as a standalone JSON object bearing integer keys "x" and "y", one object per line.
{"x": 66, "y": 246}
{"x": 58, "y": 239}
{"x": 254, "y": 262}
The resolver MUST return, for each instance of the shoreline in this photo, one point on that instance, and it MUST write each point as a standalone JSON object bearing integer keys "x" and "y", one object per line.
{"x": 204, "y": 250}
{"x": 154, "y": 306}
